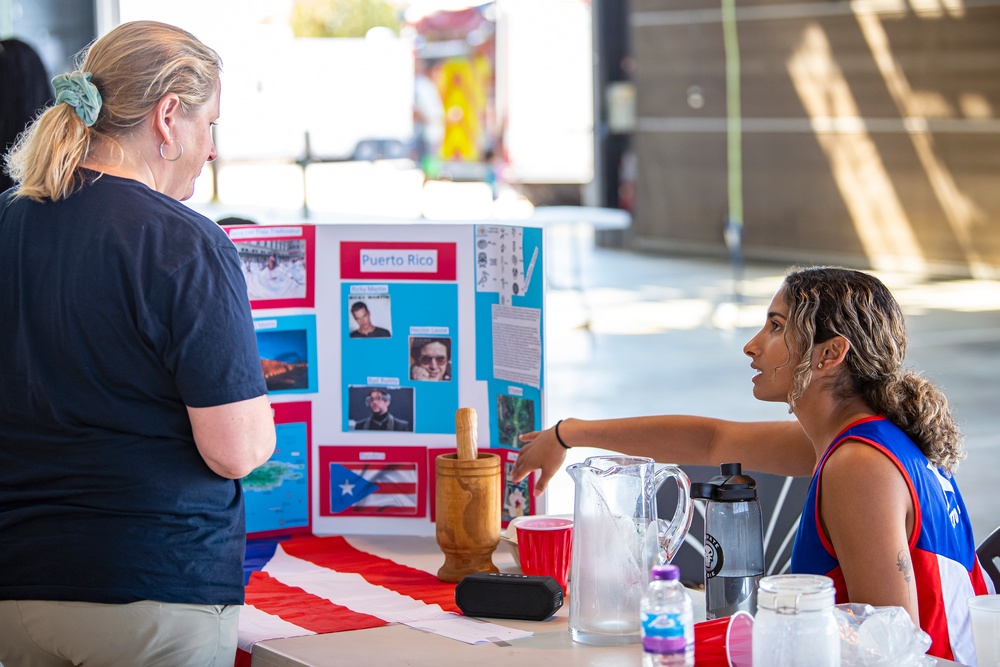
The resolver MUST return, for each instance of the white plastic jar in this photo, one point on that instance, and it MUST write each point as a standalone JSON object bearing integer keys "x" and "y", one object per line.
{"x": 795, "y": 624}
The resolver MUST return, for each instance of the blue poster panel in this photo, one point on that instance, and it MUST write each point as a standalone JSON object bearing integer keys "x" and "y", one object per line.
{"x": 510, "y": 296}
{"x": 399, "y": 364}
{"x": 287, "y": 347}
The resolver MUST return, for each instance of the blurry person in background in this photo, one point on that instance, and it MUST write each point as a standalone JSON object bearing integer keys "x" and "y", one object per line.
{"x": 234, "y": 221}
{"x": 428, "y": 120}
{"x": 26, "y": 91}
{"x": 430, "y": 359}
{"x": 131, "y": 394}
{"x": 359, "y": 311}
{"x": 378, "y": 401}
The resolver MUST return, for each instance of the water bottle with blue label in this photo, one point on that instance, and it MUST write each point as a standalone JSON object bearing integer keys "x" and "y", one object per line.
{"x": 667, "y": 621}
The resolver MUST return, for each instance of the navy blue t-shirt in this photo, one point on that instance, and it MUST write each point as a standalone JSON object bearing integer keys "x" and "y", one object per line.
{"x": 119, "y": 307}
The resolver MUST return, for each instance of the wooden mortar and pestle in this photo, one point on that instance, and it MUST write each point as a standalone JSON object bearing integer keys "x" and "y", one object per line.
{"x": 467, "y": 504}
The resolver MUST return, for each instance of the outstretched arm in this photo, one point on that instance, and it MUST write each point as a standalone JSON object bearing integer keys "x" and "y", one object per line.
{"x": 779, "y": 447}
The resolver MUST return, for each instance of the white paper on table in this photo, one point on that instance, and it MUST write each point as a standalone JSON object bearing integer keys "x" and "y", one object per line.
{"x": 468, "y": 630}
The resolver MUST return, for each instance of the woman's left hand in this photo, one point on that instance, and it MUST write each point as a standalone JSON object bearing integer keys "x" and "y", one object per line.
{"x": 541, "y": 451}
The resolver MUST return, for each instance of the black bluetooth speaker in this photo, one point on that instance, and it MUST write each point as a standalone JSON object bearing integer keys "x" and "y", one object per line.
{"x": 517, "y": 596}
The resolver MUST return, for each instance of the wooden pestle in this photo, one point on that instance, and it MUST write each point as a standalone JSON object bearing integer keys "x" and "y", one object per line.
{"x": 467, "y": 503}
{"x": 466, "y": 433}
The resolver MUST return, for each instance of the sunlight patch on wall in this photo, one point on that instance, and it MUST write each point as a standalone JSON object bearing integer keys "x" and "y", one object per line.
{"x": 960, "y": 211}
{"x": 924, "y": 9}
{"x": 927, "y": 8}
{"x": 878, "y": 216}
{"x": 938, "y": 8}
{"x": 975, "y": 105}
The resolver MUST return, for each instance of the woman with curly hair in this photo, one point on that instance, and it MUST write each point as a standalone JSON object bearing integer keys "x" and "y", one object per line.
{"x": 883, "y": 517}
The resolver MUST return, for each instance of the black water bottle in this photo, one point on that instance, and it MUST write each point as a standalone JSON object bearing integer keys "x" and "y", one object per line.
{"x": 734, "y": 542}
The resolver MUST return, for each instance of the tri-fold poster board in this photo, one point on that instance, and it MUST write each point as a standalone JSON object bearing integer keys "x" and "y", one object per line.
{"x": 371, "y": 336}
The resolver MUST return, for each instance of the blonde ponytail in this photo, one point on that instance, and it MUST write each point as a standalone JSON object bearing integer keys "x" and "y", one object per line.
{"x": 132, "y": 67}
{"x": 46, "y": 158}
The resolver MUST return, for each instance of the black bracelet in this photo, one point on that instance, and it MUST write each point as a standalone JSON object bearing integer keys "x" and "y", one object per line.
{"x": 560, "y": 440}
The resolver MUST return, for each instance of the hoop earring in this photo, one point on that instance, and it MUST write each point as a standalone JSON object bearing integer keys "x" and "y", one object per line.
{"x": 179, "y": 145}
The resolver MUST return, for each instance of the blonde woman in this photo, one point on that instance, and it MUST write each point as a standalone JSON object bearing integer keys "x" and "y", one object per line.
{"x": 884, "y": 517}
{"x": 131, "y": 393}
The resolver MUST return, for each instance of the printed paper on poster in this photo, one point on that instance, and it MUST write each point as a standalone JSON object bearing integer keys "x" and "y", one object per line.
{"x": 517, "y": 344}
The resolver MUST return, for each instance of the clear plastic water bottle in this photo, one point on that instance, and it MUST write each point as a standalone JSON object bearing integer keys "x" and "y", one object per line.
{"x": 734, "y": 542}
{"x": 667, "y": 620}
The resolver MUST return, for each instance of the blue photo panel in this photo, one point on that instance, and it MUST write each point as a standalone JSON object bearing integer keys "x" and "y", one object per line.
{"x": 287, "y": 347}
{"x": 418, "y": 358}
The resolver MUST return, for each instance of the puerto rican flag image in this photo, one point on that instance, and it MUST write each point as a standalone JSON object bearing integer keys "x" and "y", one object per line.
{"x": 373, "y": 481}
{"x": 315, "y": 585}
{"x": 365, "y": 488}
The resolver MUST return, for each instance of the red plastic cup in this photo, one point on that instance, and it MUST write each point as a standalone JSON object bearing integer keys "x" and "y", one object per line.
{"x": 545, "y": 547}
{"x": 724, "y": 642}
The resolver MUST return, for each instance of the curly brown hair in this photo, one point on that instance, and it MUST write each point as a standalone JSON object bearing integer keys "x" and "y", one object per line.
{"x": 824, "y": 302}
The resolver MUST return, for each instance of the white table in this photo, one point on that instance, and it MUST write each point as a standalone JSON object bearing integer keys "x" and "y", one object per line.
{"x": 395, "y": 645}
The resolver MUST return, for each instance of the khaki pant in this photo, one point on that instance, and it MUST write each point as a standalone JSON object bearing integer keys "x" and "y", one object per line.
{"x": 38, "y": 633}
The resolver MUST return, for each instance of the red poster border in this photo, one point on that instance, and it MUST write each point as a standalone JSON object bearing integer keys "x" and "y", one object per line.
{"x": 308, "y": 234}
{"x": 350, "y": 261}
{"x": 392, "y": 454}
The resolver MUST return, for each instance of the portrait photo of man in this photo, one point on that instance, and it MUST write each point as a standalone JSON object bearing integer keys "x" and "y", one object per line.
{"x": 378, "y": 407}
{"x": 430, "y": 359}
{"x": 363, "y": 318}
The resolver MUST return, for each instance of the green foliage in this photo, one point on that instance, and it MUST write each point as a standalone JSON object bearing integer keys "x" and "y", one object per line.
{"x": 515, "y": 416}
{"x": 342, "y": 18}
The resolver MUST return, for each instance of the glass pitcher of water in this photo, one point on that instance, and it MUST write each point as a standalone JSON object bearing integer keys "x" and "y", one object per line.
{"x": 617, "y": 539}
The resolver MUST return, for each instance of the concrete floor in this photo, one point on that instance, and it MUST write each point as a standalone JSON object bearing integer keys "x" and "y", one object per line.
{"x": 630, "y": 334}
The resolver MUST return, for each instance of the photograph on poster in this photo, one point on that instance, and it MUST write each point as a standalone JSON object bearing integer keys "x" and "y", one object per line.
{"x": 516, "y": 497}
{"x": 277, "y": 273}
{"x": 277, "y": 264}
{"x": 287, "y": 348}
{"x": 370, "y": 316}
{"x": 515, "y": 416}
{"x": 380, "y": 408}
{"x": 430, "y": 359}
{"x": 276, "y": 494}
{"x": 373, "y": 481}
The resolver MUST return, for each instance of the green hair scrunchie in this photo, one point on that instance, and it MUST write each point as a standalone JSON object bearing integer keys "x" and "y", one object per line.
{"x": 77, "y": 91}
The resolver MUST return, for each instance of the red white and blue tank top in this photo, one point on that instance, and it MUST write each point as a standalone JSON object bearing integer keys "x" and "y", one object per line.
{"x": 942, "y": 547}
